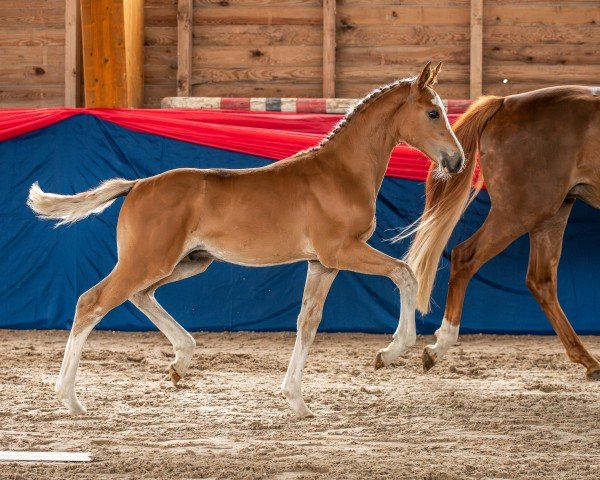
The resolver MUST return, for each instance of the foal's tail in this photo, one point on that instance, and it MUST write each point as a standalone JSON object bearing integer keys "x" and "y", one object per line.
{"x": 447, "y": 199}
{"x": 72, "y": 208}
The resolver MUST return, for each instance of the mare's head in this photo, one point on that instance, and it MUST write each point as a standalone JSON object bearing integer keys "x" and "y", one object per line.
{"x": 423, "y": 124}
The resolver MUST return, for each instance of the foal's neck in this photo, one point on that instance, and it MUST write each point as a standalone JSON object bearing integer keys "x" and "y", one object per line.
{"x": 362, "y": 148}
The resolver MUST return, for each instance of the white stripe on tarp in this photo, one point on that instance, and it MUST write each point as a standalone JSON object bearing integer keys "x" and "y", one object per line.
{"x": 288, "y": 104}
{"x": 258, "y": 104}
{"x": 25, "y": 456}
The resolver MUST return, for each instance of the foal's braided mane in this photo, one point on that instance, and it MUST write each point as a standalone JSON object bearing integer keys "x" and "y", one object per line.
{"x": 359, "y": 107}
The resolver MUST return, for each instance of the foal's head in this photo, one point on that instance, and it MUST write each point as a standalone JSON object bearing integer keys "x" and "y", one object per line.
{"x": 423, "y": 124}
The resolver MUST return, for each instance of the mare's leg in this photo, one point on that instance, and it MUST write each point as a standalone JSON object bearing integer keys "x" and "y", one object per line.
{"x": 92, "y": 306}
{"x": 183, "y": 343}
{"x": 497, "y": 232}
{"x": 318, "y": 283}
{"x": 546, "y": 245}
{"x": 360, "y": 257}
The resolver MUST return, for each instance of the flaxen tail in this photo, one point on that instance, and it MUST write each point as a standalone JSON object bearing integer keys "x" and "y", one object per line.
{"x": 447, "y": 199}
{"x": 72, "y": 208}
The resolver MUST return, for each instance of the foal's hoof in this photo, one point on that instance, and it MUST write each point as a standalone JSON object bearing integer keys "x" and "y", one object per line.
{"x": 593, "y": 373}
{"x": 175, "y": 377}
{"x": 379, "y": 363}
{"x": 429, "y": 358}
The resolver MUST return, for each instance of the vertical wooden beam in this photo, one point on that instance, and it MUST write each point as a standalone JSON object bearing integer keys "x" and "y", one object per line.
{"x": 103, "y": 39}
{"x": 329, "y": 48}
{"x": 73, "y": 88}
{"x": 184, "y": 47}
{"x": 476, "y": 48}
{"x": 133, "y": 11}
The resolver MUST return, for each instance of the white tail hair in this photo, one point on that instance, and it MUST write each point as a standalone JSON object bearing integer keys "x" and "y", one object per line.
{"x": 446, "y": 200}
{"x": 72, "y": 208}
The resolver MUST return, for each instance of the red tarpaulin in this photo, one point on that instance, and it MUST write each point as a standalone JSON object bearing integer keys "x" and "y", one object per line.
{"x": 266, "y": 134}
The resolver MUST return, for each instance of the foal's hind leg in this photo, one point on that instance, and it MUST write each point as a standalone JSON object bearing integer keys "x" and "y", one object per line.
{"x": 497, "y": 232}
{"x": 318, "y": 283}
{"x": 183, "y": 343}
{"x": 92, "y": 306}
{"x": 546, "y": 245}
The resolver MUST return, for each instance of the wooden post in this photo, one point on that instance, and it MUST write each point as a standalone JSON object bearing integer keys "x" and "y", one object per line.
{"x": 328, "y": 48}
{"x": 133, "y": 11}
{"x": 476, "y": 48}
{"x": 112, "y": 34}
{"x": 184, "y": 47}
{"x": 72, "y": 54}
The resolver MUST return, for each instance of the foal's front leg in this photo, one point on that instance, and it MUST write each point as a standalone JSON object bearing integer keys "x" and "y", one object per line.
{"x": 362, "y": 258}
{"x": 318, "y": 283}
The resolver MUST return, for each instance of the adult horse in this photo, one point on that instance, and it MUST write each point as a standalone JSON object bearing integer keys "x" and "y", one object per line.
{"x": 318, "y": 205}
{"x": 538, "y": 151}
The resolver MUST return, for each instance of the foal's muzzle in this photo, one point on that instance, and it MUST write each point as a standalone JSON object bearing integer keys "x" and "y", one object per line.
{"x": 452, "y": 163}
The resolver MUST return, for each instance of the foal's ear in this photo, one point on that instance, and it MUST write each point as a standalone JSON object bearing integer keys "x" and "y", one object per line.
{"x": 425, "y": 76}
{"x": 434, "y": 75}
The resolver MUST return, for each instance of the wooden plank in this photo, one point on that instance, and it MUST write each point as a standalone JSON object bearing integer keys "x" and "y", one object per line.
{"x": 23, "y": 73}
{"x": 32, "y": 18}
{"x": 104, "y": 62}
{"x": 395, "y": 35}
{"x": 476, "y": 55}
{"x": 555, "y": 13}
{"x": 73, "y": 61}
{"x": 402, "y": 55}
{"x": 329, "y": 19}
{"x": 233, "y": 4}
{"x": 267, "y": 15}
{"x": 25, "y": 456}
{"x": 402, "y": 15}
{"x": 19, "y": 37}
{"x": 247, "y": 56}
{"x": 542, "y": 74}
{"x": 543, "y": 34}
{"x": 133, "y": 18}
{"x": 32, "y": 95}
{"x": 258, "y": 74}
{"x": 184, "y": 47}
{"x": 268, "y": 89}
{"x": 551, "y": 54}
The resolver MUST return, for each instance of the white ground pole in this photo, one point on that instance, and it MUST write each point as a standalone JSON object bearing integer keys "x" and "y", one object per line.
{"x": 25, "y": 456}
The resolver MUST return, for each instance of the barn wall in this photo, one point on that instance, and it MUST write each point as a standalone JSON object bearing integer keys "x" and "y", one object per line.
{"x": 32, "y": 53}
{"x": 274, "y": 47}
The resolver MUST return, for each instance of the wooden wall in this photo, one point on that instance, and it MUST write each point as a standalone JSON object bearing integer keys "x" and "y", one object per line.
{"x": 275, "y": 47}
{"x": 539, "y": 43}
{"x": 32, "y": 53}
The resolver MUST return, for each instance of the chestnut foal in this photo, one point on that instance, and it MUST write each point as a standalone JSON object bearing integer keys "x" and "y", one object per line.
{"x": 318, "y": 206}
{"x": 538, "y": 153}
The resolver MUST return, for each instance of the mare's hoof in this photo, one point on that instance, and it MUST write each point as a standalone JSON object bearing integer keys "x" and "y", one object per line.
{"x": 428, "y": 358}
{"x": 593, "y": 374}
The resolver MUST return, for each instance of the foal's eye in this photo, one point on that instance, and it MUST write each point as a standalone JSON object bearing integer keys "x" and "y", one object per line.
{"x": 433, "y": 114}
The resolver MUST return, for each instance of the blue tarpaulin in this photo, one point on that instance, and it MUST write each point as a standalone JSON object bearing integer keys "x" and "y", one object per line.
{"x": 44, "y": 269}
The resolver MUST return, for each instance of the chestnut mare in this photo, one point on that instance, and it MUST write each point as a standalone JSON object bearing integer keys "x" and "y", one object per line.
{"x": 538, "y": 153}
{"x": 318, "y": 205}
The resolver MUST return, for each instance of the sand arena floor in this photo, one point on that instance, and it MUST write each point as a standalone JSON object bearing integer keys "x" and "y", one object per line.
{"x": 497, "y": 407}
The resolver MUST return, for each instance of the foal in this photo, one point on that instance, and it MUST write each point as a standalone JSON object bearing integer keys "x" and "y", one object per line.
{"x": 318, "y": 206}
{"x": 538, "y": 153}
